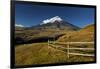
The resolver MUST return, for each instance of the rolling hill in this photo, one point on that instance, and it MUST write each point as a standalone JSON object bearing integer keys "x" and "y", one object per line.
{"x": 84, "y": 34}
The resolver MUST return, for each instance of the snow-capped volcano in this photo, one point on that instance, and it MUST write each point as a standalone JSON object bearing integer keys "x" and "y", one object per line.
{"x": 52, "y": 20}
{"x": 55, "y": 23}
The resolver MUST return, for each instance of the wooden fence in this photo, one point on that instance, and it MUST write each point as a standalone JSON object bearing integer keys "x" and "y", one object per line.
{"x": 53, "y": 44}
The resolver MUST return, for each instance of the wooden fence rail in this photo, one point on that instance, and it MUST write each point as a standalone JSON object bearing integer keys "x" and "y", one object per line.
{"x": 71, "y": 42}
{"x": 81, "y": 54}
{"x": 51, "y": 43}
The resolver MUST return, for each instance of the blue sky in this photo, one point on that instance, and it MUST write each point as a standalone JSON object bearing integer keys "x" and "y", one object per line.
{"x": 29, "y": 15}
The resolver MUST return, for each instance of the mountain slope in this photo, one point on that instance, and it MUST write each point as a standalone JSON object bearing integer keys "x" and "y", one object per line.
{"x": 85, "y": 34}
{"x": 88, "y": 28}
{"x": 56, "y": 23}
{"x": 53, "y": 27}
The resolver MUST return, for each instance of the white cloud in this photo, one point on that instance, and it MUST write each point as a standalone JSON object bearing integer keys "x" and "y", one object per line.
{"x": 19, "y": 25}
{"x": 51, "y": 20}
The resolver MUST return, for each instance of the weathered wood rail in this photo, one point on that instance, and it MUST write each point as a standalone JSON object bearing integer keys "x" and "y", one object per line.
{"x": 53, "y": 44}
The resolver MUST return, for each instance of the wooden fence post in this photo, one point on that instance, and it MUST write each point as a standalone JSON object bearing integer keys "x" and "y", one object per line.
{"x": 48, "y": 43}
{"x": 68, "y": 50}
{"x": 68, "y": 46}
{"x": 54, "y": 40}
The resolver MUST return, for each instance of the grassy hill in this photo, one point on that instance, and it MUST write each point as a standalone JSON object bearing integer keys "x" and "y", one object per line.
{"x": 88, "y": 28}
{"x": 84, "y": 34}
{"x": 41, "y": 53}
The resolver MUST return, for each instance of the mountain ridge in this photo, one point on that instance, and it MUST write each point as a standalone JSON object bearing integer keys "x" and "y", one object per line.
{"x": 54, "y": 23}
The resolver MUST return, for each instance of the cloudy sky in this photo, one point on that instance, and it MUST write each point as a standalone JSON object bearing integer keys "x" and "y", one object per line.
{"x": 29, "y": 15}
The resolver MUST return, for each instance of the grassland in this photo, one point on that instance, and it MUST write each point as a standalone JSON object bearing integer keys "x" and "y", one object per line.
{"x": 83, "y": 35}
{"x": 41, "y": 53}
{"x": 38, "y": 53}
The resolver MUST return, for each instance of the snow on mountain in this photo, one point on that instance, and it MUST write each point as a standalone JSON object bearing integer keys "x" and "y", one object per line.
{"x": 52, "y": 20}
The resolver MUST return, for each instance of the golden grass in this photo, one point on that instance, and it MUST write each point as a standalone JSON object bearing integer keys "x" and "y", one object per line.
{"x": 85, "y": 34}
{"x": 41, "y": 53}
{"x": 38, "y": 53}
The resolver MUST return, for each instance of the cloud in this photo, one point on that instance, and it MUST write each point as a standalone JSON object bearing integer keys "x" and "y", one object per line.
{"x": 19, "y": 25}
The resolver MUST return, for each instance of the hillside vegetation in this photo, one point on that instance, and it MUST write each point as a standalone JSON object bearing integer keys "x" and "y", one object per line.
{"x": 85, "y": 34}
{"x": 42, "y": 53}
